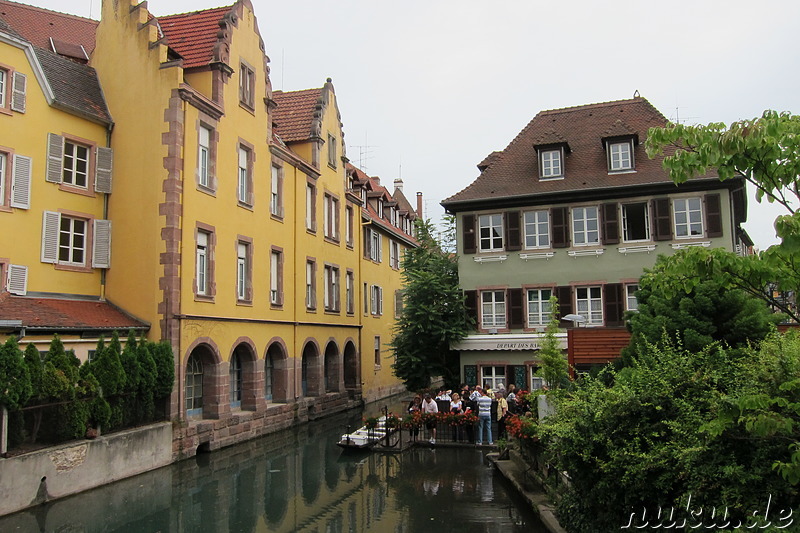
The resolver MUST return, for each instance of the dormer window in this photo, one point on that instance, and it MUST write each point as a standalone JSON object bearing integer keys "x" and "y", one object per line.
{"x": 551, "y": 164}
{"x": 380, "y": 208}
{"x": 620, "y": 155}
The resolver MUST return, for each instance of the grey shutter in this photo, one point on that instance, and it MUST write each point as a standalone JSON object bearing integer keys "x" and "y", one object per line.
{"x": 21, "y": 182}
{"x": 103, "y": 169}
{"x": 50, "y": 224}
{"x": 713, "y": 215}
{"x": 468, "y": 228}
{"x": 55, "y": 158}
{"x": 18, "y": 96}
{"x": 101, "y": 249}
{"x": 610, "y": 224}
{"x": 513, "y": 231}
{"x": 17, "y": 282}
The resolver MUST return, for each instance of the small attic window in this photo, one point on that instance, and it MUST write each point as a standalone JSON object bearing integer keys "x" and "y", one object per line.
{"x": 551, "y": 160}
{"x": 620, "y": 155}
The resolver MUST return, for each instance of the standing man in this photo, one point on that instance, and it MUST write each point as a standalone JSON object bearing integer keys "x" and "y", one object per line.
{"x": 429, "y": 406}
{"x": 484, "y": 418}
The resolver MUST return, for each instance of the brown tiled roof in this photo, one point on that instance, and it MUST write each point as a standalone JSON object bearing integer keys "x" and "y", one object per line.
{"x": 515, "y": 172}
{"x": 65, "y": 314}
{"x": 294, "y": 116}
{"x": 193, "y": 35}
{"x": 75, "y": 86}
{"x": 38, "y": 25}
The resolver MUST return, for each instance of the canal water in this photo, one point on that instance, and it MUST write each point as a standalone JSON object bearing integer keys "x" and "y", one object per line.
{"x": 298, "y": 481}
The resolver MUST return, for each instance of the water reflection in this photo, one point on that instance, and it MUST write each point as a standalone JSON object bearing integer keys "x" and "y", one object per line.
{"x": 297, "y": 480}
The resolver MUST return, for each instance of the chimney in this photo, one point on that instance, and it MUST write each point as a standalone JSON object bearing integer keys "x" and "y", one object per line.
{"x": 398, "y": 185}
{"x": 377, "y": 180}
{"x": 419, "y": 204}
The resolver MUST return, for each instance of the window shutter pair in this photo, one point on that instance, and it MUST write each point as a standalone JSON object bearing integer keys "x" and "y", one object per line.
{"x": 101, "y": 245}
{"x": 104, "y": 163}
{"x": 17, "y": 280}
{"x": 19, "y": 89}
{"x": 21, "y": 182}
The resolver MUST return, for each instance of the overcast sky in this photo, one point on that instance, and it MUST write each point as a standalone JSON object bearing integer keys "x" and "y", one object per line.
{"x": 428, "y": 88}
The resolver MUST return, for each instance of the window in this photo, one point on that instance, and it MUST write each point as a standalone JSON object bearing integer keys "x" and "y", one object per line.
{"x": 493, "y": 309}
{"x": 72, "y": 241}
{"x": 394, "y": 254}
{"x": 377, "y": 350}
{"x": 204, "y": 156}
{"x": 244, "y": 176}
{"x": 366, "y": 292}
{"x": 3, "y": 88}
{"x": 493, "y": 377}
{"x": 276, "y": 278}
{"x": 537, "y": 229}
{"x": 3, "y": 174}
{"x": 311, "y": 285}
{"x": 631, "y": 303}
{"x": 331, "y": 150}
{"x": 350, "y": 288}
{"x": 376, "y": 300}
{"x": 331, "y": 214}
{"x": 194, "y": 385}
{"x": 13, "y": 86}
{"x": 269, "y": 376}
{"x": 236, "y": 376}
{"x": 491, "y": 232}
{"x": 276, "y": 197}
{"x": 247, "y": 86}
{"x": 537, "y": 382}
{"x": 620, "y": 156}
{"x": 202, "y": 263}
{"x": 76, "y": 165}
{"x": 635, "y": 222}
{"x": 311, "y": 207}
{"x": 688, "y": 217}
{"x": 539, "y": 308}
{"x": 585, "y": 226}
{"x": 550, "y": 161}
{"x": 398, "y": 303}
{"x": 331, "y": 295}
{"x": 66, "y": 240}
{"x": 348, "y": 230}
{"x": 243, "y": 283}
{"x": 590, "y": 304}
{"x": 375, "y": 251}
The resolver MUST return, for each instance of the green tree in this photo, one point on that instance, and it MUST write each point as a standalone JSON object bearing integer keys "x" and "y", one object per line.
{"x": 434, "y": 315}
{"x": 133, "y": 377}
{"x": 554, "y": 367}
{"x": 15, "y": 379}
{"x": 765, "y": 152}
{"x": 147, "y": 379}
{"x": 107, "y": 368}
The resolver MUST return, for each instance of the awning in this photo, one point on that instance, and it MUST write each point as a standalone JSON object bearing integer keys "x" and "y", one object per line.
{"x": 523, "y": 341}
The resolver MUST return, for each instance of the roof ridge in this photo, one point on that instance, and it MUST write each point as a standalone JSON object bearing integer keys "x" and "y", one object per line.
{"x": 297, "y": 91}
{"x": 37, "y": 8}
{"x": 593, "y": 105}
{"x": 228, "y": 7}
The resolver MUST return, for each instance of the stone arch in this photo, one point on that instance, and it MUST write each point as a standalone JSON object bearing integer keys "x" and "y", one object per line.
{"x": 352, "y": 372}
{"x": 331, "y": 366}
{"x": 276, "y": 371}
{"x": 200, "y": 391}
{"x": 311, "y": 369}
{"x": 243, "y": 375}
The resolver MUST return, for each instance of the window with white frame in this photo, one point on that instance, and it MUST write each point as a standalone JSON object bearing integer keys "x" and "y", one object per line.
{"x": 493, "y": 309}
{"x": 76, "y": 165}
{"x": 331, "y": 214}
{"x": 72, "y": 241}
{"x": 688, "y": 217}
{"x": 394, "y": 254}
{"x": 539, "y": 308}
{"x": 635, "y": 222}
{"x": 550, "y": 161}
{"x": 377, "y": 350}
{"x": 3, "y": 88}
{"x": 331, "y": 150}
{"x": 204, "y": 156}
{"x": 589, "y": 304}
{"x": 350, "y": 289}
{"x": 3, "y": 177}
{"x": 311, "y": 285}
{"x": 537, "y": 229}
{"x": 348, "y": 230}
{"x": 202, "y": 263}
{"x": 631, "y": 303}
{"x": 620, "y": 156}
{"x": 331, "y": 289}
{"x": 243, "y": 185}
{"x": 491, "y": 232}
{"x": 375, "y": 251}
{"x": 311, "y": 207}
{"x": 247, "y": 85}
{"x": 276, "y": 277}
{"x": 376, "y": 300}
{"x": 242, "y": 270}
{"x": 66, "y": 240}
{"x": 493, "y": 377}
{"x": 276, "y": 192}
{"x": 585, "y": 226}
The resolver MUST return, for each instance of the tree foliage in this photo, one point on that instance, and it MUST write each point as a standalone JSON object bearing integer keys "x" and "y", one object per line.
{"x": 554, "y": 368}
{"x": 15, "y": 379}
{"x": 434, "y": 315}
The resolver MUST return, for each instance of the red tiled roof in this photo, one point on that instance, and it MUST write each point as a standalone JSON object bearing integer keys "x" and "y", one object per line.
{"x": 58, "y": 314}
{"x": 514, "y": 173}
{"x": 193, "y": 35}
{"x": 294, "y": 115}
{"x": 38, "y": 25}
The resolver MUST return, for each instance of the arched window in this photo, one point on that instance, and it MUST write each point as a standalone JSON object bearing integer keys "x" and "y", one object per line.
{"x": 269, "y": 375}
{"x": 194, "y": 386}
{"x": 237, "y": 378}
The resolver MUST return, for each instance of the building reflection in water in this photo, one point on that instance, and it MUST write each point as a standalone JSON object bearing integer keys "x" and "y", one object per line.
{"x": 296, "y": 481}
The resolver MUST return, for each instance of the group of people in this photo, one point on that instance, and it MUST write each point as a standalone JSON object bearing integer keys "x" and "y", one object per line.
{"x": 478, "y": 400}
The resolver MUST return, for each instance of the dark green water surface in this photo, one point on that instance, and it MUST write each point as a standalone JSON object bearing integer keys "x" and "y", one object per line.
{"x": 298, "y": 480}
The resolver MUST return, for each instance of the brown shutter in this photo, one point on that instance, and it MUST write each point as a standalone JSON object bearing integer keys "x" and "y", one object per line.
{"x": 468, "y": 227}
{"x": 613, "y": 304}
{"x": 662, "y": 219}
{"x": 564, "y": 295}
{"x": 516, "y": 318}
{"x": 713, "y": 215}
{"x": 513, "y": 231}
{"x": 610, "y": 224}
{"x": 560, "y": 222}
{"x": 367, "y": 243}
{"x": 471, "y": 303}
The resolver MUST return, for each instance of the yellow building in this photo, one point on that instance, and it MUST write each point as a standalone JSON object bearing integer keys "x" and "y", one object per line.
{"x": 240, "y": 234}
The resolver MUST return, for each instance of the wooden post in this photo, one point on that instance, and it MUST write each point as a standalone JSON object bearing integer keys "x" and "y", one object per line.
{"x": 3, "y": 431}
